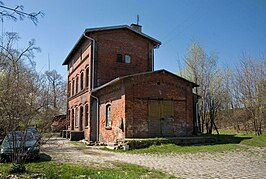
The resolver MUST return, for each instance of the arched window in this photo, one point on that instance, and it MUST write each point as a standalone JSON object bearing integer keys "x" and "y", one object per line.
{"x": 77, "y": 84}
{"x": 81, "y": 80}
{"x": 108, "y": 116}
{"x": 76, "y": 118}
{"x": 69, "y": 116}
{"x": 73, "y": 87}
{"x": 87, "y": 77}
{"x": 86, "y": 115}
{"x": 81, "y": 117}
{"x": 69, "y": 89}
{"x": 72, "y": 119}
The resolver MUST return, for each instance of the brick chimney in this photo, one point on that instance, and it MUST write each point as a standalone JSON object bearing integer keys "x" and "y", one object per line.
{"x": 136, "y": 27}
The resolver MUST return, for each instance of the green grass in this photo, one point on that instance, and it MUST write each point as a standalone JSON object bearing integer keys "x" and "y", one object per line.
{"x": 256, "y": 141}
{"x": 248, "y": 138}
{"x": 60, "y": 170}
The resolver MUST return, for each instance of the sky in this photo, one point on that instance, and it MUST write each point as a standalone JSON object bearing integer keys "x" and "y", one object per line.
{"x": 226, "y": 27}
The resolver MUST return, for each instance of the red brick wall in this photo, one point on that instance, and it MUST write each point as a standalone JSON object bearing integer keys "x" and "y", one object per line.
{"x": 115, "y": 97}
{"x": 108, "y": 45}
{"x": 123, "y": 41}
{"x": 82, "y": 97}
{"x": 129, "y": 101}
{"x": 162, "y": 86}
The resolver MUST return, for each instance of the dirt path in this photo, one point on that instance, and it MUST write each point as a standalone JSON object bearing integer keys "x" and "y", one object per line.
{"x": 233, "y": 164}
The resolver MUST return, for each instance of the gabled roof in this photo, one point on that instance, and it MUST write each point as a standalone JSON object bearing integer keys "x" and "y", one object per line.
{"x": 139, "y": 74}
{"x": 155, "y": 42}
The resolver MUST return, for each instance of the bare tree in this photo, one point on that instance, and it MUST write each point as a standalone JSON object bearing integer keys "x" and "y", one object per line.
{"x": 18, "y": 12}
{"x": 19, "y": 102}
{"x": 199, "y": 68}
{"x": 57, "y": 86}
{"x": 54, "y": 97}
{"x": 250, "y": 81}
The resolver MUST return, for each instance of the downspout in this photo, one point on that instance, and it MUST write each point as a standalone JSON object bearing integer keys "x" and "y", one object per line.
{"x": 97, "y": 116}
{"x": 92, "y": 84}
{"x": 154, "y": 47}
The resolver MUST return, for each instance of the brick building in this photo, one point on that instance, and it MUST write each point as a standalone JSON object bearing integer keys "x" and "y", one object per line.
{"x": 114, "y": 92}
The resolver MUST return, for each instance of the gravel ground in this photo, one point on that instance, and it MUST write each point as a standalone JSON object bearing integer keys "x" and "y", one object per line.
{"x": 231, "y": 164}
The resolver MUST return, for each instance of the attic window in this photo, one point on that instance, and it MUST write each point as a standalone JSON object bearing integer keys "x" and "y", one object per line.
{"x": 119, "y": 58}
{"x": 127, "y": 59}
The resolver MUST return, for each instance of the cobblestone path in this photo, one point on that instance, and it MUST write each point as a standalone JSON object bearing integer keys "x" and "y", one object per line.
{"x": 250, "y": 163}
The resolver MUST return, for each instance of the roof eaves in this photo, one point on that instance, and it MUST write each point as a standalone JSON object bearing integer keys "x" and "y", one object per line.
{"x": 157, "y": 42}
{"x": 75, "y": 46}
{"x": 194, "y": 84}
{"x": 106, "y": 84}
{"x": 138, "y": 74}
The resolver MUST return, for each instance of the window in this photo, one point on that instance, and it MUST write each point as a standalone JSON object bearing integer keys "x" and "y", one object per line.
{"x": 119, "y": 58}
{"x": 69, "y": 89}
{"x": 127, "y": 59}
{"x": 69, "y": 116}
{"x": 123, "y": 59}
{"x": 81, "y": 80}
{"x": 86, "y": 115}
{"x": 108, "y": 116}
{"x": 81, "y": 117}
{"x": 77, "y": 84}
{"x": 76, "y": 118}
{"x": 73, "y": 87}
{"x": 72, "y": 119}
{"x": 87, "y": 77}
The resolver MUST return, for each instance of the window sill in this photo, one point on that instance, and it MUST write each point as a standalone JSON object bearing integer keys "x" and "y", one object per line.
{"x": 108, "y": 127}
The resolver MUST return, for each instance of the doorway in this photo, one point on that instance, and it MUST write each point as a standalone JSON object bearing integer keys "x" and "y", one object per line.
{"x": 161, "y": 118}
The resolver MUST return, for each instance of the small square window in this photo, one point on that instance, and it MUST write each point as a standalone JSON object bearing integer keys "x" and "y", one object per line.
{"x": 119, "y": 58}
{"x": 127, "y": 59}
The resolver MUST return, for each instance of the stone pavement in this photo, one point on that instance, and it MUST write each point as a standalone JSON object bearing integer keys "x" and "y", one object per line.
{"x": 250, "y": 163}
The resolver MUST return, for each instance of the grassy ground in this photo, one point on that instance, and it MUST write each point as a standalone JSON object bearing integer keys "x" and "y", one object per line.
{"x": 226, "y": 141}
{"x": 248, "y": 139}
{"x": 59, "y": 170}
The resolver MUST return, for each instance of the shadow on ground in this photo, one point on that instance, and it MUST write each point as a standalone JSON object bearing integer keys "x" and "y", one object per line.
{"x": 229, "y": 139}
{"x": 187, "y": 141}
{"x": 43, "y": 158}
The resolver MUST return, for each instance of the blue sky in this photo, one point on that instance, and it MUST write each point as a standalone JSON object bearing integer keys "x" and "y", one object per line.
{"x": 225, "y": 27}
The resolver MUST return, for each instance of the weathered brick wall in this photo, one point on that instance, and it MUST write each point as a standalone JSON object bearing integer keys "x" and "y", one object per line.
{"x": 123, "y": 41}
{"x": 161, "y": 86}
{"x": 114, "y": 96}
{"x": 82, "y": 97}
